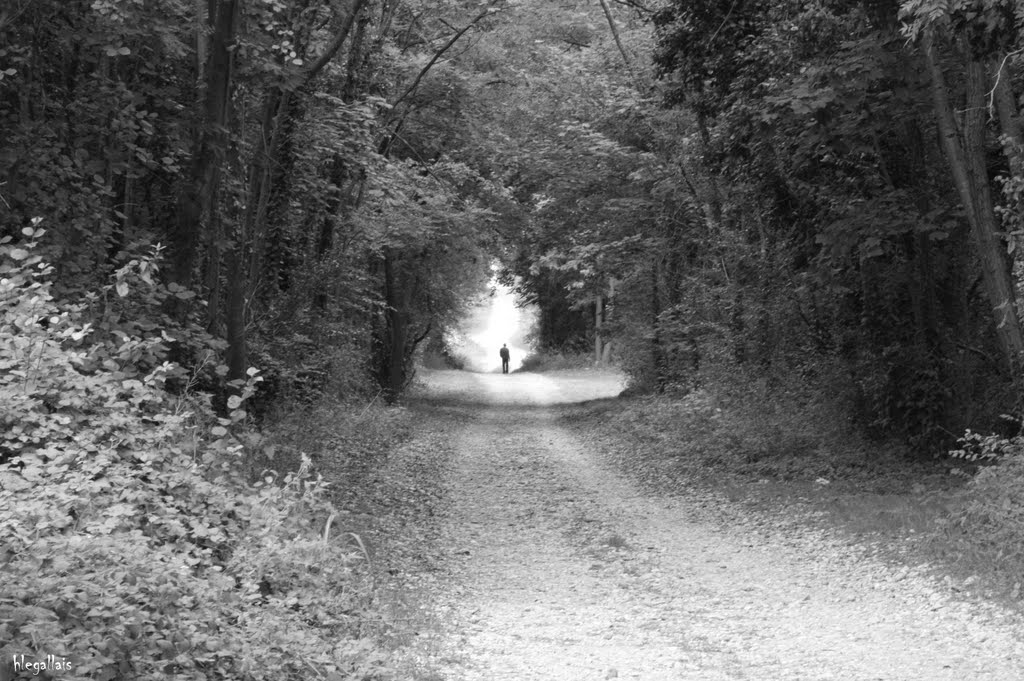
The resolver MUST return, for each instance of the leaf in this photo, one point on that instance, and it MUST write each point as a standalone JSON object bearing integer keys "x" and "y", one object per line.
{"x": 218, "y": 431}
{"x": 122, "y": 288}
{"x": 19, "y": 254}
{"x": 234, "y": 402}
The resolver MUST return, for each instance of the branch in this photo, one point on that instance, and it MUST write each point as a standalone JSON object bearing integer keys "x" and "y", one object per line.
{"x": 437, "y": 55}
{"x": 615, "y": 34}
{"x": 981, "y": 353}
{"x": 999, "y": 74}
{"x": 426, "y": 332}
{"x": 7, "y": 18}
{"x": 724, "y": 22}
{"x": 313, "y": 69}
{"x": 635, "y": 4}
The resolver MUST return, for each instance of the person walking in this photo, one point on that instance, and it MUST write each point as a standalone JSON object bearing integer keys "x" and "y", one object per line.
{"x": 504, "y": 358}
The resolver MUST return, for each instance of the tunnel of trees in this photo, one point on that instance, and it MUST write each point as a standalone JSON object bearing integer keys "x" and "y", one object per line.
{"x": 210, "y": 208}
{"x": 315, "y": 188}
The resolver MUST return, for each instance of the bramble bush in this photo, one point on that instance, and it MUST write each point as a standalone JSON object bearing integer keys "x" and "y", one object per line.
{"x": 131, "y": 541}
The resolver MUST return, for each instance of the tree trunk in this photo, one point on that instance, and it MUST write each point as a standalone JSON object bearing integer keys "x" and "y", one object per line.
{"x": 397, "y": 298}
{"x": 714, "y": 199}
{"x": 237, "y": 358}
{"x": 966, "y": 155}
{"x": 198, "y": 197}
{"x": 264, "y": 176}
{"x": 615, "y": 34}
{"x": 1009, "y": 117}
{"x": 270, "y": 162}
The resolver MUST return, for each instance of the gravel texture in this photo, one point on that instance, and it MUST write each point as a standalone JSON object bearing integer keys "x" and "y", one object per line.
{"x": 514, "y": 550}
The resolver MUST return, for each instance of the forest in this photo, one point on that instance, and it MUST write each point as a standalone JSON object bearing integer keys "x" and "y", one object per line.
{"x": 213, "y": 212}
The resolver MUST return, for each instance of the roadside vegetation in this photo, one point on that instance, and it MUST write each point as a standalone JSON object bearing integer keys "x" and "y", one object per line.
{"x": 148, "y": 533}
{"x": 230, "y": 230}
{"x": 553, "y": 361}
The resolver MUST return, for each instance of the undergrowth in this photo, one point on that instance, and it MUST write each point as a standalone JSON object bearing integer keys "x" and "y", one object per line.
{"x": 144, "y": 534}
{"x": 984, "y": 529}
{"x": 738, "y": 424}
{"x": 541, "y": 361}
{"x": 346, "y": 438}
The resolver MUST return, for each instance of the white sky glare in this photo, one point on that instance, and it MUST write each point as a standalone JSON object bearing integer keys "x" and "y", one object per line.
{"x": 496, "y": 320}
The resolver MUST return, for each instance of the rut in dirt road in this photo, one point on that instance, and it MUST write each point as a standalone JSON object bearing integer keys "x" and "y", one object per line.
{"x": 548, "y": 565}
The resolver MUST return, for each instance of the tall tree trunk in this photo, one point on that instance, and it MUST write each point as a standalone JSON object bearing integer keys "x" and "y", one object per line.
{"x": 198, "y": 196}
{"x": 264, "y": 175}
{"x": 397, "y": 298}
{"x": 237, "y": 353}
{"x": 965, "y": 151}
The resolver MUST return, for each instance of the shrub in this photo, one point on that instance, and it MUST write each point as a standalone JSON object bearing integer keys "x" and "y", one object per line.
{"x": 133, "y": 544}
{"x": 985, "y": 527}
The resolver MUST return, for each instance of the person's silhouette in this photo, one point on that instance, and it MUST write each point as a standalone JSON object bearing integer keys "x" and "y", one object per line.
{"x": 504, "y": 358}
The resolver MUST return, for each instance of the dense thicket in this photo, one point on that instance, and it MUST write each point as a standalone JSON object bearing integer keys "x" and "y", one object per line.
{"x": 276, "y": 151}
{"x": 810, "y": 190}
{"x": 205, "y": 205}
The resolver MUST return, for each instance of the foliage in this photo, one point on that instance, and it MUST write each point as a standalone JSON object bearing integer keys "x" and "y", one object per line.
{"x": 739, "y": 426}
{"x": 987, "y": 449}
{"x": 985, "y": 526}
{"x": 773, "y": 217}
{"x": 554, "y": 361}
{"x": 268, "y": 183}
{"x": 134, "y": 543}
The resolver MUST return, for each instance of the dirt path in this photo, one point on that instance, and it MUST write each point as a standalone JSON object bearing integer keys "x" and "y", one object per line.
{"x": 520, "y": 555}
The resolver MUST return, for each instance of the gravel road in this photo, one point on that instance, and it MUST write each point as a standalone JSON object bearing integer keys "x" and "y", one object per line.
{"x": 516, "y": 552}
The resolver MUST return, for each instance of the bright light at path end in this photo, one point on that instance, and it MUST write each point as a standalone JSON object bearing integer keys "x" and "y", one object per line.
{"x": 494, "y": 322}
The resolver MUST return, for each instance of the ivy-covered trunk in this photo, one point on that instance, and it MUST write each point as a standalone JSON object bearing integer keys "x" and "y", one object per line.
{"x": 199, "y": 194}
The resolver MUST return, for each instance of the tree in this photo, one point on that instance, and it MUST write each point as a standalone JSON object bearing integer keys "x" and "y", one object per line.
{"x": 965, "y": 143}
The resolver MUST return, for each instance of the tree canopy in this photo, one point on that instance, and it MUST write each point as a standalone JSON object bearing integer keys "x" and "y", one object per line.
{"x": 210, "y": 209}
{"x": 775, "y": 187}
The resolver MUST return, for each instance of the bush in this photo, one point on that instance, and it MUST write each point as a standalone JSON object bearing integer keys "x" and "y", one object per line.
{"x": 984, "y": 530}
{"x": 133, "y": 544}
